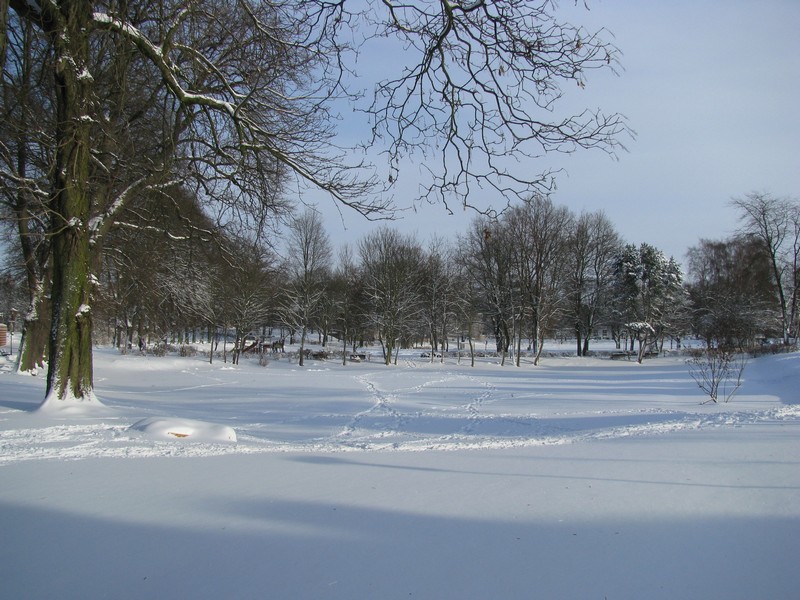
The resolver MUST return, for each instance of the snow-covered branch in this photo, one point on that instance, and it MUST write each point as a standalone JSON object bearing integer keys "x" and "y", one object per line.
{"x": 256, "y": 111}
{"x": 162, "y": 62}
{"x": 100, "y": 224}
{"x": 161, "y": 230}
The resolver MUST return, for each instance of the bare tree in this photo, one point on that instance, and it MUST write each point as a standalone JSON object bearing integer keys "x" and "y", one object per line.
{"x": 308, "y": 265}
{"x": 488, "y": 263}
{"x": 775, "y": 223}
{"x": 469, "y": 318}
{"x": 350, "y": 301}
{"x": 591, "y": 248}
{"x": 441, "y": 296}
{"x": 248, "y": 293}
{"x": 732, "y": 292}
{"x": 538, "y": 231}
{"x": 392, "y": 278}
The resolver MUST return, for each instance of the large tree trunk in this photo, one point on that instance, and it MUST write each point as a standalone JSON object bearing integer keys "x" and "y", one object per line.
{"x": 69, "y": 376}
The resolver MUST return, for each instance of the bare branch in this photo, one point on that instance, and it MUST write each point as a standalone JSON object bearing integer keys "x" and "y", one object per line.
{"x": 481, "y": 87}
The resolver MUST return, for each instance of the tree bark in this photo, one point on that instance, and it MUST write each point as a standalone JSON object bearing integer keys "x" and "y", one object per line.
{"x": 35, "y": 335}
{"x": 69, "y": 375}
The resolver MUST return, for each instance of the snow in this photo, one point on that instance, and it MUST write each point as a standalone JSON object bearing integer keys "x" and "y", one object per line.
{"x": 198, "y": 431}
{"x": 580, "y": 478}
{"x": 70, "y": 405}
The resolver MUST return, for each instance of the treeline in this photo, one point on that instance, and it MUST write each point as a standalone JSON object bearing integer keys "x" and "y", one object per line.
{"x": 536, "y": 272}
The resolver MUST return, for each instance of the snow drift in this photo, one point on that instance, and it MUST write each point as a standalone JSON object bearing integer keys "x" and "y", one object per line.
{"x": 188, "y": 429}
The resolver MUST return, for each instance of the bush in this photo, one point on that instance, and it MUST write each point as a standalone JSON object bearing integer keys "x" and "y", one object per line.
{"x": 717, "y": 371}
{"x": 766, "y": 349}
{"x": 158, "y": 349}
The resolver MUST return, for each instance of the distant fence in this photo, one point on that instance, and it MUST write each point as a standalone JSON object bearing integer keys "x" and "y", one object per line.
{"x": 3, "y": 334}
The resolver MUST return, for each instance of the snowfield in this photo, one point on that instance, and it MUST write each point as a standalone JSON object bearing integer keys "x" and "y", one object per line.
{"x": 579, "y": 478}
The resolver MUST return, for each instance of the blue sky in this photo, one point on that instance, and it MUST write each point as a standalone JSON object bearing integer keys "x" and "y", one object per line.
{"x": 711, "y": 90}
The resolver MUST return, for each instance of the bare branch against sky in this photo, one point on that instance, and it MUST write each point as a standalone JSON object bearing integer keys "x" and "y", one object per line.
{"x": 710, "y": 90}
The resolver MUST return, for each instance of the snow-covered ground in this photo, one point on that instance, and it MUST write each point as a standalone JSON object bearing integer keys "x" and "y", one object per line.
{"x": 580, "y": 478}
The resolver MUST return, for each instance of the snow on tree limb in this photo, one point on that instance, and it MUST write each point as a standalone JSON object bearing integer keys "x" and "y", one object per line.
{"x": 161, "y": 61}
{"x": 100, "y": 224}
{"x": 253, "y": 136}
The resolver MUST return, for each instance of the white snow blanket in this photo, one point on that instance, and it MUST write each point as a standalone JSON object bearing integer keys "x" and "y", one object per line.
{"x": 188, "y": 429}
{"x": 579, "y": 478}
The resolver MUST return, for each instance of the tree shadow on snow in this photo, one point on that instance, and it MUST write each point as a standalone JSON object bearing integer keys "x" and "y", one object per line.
{"x": 262, "y": 548}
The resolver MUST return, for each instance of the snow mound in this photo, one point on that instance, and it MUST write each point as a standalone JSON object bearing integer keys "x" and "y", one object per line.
{"x": 188, "y": 429}
{"x": 71, "y": 406}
